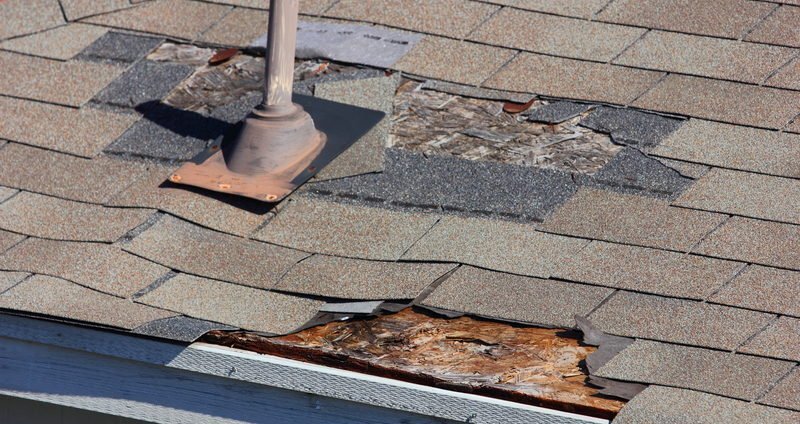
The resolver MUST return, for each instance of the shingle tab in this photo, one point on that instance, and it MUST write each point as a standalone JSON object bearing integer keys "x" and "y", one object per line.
{"x": 745, "y": 193}
{"x": 102, "y": 267}
{"x": 516, "y": 298}
{"x": 705, "y": 56}
{"x": 60, "y": 43}
{"x": 7, "y": 240}
{"x": 786, "y": 394}
{"x": 68, "y": 83}
{"x": 146, "y": 81}
{"x": 678, "y": 321}
{"x": 722, "y": 18}
{"x": 788, "y": 77}
{"x": 50, "y": 217}
{"x": 631, "y": 171}
{"x": 232, "y": 304}
{"x": 556, "y": 35}
{"x": 66, "y": 176}
{"x": 722, "y": 101}
{"x": 631, "y": 219}
{"x": 779, "y": 340}
{"x": 238, "y": 28}
{"x": 751, "y": 240}
{"x": 59, "y": 298}
{"x": 577, "y": 8}
{"x": 10, "y": 279}
{"x": 647, "y": 270}
{"x": 226, "y": 215}
{"x": 82, "y": 132}
{"x": 76, "y": 9}
{"x": 658, "y": 404}
{"x": 452, "y": 18}
{"x": 764, "y": 289}
{"x": 187, "y": 247}
{"x": 357, "y": 279}
{"x": 733, "y": 146}
{"x": 119, "y": 47}
{"x": 180, "y": 328}
{"x": 178, "y": 18}
{"x": 455, "y": 61}
{"x": 723, "y": 373}
{"x": 494, "y": 244}
{"x": 29, "y": 16}
{"x": 574, "y": 79}
{"x": 346, "y": 230}
{"x": 779, "y": 28}
{"x": 630, "y": 126}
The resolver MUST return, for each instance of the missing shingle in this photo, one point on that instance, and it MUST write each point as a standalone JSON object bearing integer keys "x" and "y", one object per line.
{"x": 526, "y": 364}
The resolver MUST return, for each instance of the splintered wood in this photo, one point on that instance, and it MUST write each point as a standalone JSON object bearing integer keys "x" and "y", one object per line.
{"x": 440, "y": 123}
{"x": 532, "y": 365}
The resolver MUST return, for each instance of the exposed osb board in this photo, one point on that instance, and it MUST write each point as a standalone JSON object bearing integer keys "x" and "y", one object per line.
{"x": 525, "y": 364}
{"x": 439, "y": 123}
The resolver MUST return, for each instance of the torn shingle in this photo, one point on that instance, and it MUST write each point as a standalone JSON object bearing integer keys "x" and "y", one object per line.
{"x": 50, "y": 217}
{"x": 555, "y": 35}
{"x": 751, "y": 240}
{"x": 101, "y": 267}
{"x": 494, "y": 244}
{"x": 119, "y": 47}
{"x": 60, "y": 43}
{"x": 658, "y": 404}
{"x": 764, "y": 289}
{"x": 56, "y": 297}
{"x": 557, "y": 112}
{"x": 234, "y": 216}
{"x": 786, "y": 394}
{"x": 631, "y": 219}
{"x": 678, "y": 321}
{"x": 82, "y": 132}
{"x": 65, "y": 176}
{"x": 737, "y": 376}
{"x": 346, "y": 230}
{"x": 357, "y": 279}
{"x": 232, "y": 304}
{"x": 10, "y": 279}
{"x": 177, "y": 18}
{"x": 146, "y": 81}
{"x": 513, "y": 297}
{"x": 180, "y": 328}
{"x": 631, "y": 127}
{"x": 632, "y": 171}
{"x": 779, "y": 340}
{"x": 647, "y": 270}
{"x": 366, "y": 155}
{"x": 67, "y": 83}
{"x": 687, "y": 169}
{"x": 187, "y": 247}
{"x": 732, "y": 146}
{"x": 745, "y": 193}
{"x": 411, "y": 179}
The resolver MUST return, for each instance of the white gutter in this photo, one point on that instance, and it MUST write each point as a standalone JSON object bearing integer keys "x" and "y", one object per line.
{"x": 155, "y": 381}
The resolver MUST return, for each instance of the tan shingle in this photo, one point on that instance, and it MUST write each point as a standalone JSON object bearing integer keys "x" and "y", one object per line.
{"x": 178, "y": 18}
{"x": 788, "y": 77}
{"x": 786, "y": 394}
{"x": 576, "y": 8}
{"x": 722, "y": 18}
{"x": 764, "y": 289}
{"x": 238, "y": 28}
{"x": 58, "y": 43}
{"x": 76, "y": 9}
{"x": 779, "y": 340}
{"x": 452, "y": 18}
{"x": 631, "y": 219}
{"x": 745, "y": 193}
{"x": 705, "y": 56}
{"x": 780, "y": 27}
{"x": 455, "y": 61}
{"x": 575, "y": 79}
{"x": 751, "y": 240}
{"x": 733, "y": 146}
{"x": 555, "y": 35}
{"x": 28, "y": 16}
{"x": 723, "y": 101}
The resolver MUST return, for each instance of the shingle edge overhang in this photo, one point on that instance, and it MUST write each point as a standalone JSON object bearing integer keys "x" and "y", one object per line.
{"x": 151, "y": 380}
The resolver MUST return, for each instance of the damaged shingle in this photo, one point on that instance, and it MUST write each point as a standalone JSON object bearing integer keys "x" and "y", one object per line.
{"x": 180, "y": 328}
{"x": 119, "y": 47}
{"x": 459, "y": 185}
{"x": 634, "y": 172}
{"x": 557, "y": 112}
{"x": 146, "y": 81}
{"x": 631, "y": 127}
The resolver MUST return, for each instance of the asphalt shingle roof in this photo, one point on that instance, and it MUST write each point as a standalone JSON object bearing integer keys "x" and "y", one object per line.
{"x": 688, "y": 239}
